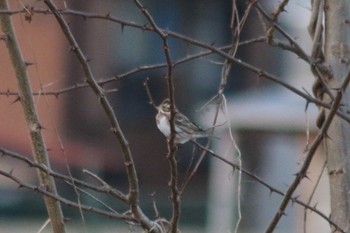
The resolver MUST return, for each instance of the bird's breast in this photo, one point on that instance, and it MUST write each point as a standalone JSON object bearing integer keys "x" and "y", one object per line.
{"x": 163, "y": 125}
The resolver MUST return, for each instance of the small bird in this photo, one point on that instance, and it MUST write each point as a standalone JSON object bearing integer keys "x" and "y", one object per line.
{"x": 184, "y": 128}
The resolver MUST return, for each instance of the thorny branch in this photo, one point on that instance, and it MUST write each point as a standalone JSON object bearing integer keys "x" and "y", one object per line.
{"x": 309, "y": 156}
{"x": 265, "y": 184}
{"x": 34, "y": 127}
{"x": 116, "y": 130}
{"x": 105, "y": 188}
{"x": 274, "y": 16}
{"x": 175, "y": 193}
{"x": 230, "y": 59}
{"x": 320, "y": 71}
{"x": 65, "y": 201}
{"x": 295, "y": 48}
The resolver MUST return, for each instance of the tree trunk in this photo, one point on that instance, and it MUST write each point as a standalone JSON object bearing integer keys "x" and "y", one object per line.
{"x": 337, "y": 57}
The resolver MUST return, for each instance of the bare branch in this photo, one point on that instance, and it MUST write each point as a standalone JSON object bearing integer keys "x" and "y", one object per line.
{"x": 310, "y": 154}
{"x": 131, "y": 72}
{"x": 175, "y": 193}
{"x": 265, "y": 184}
{"x": 315, "y": 29}
{"x": 227, "y": 58}
{"x": 128, "y": 160}
{"x": 105, "y": 188}
{"x": 150, "y": 99}
{"x": 320, "y": 69}
{"x": 274, "y": 17}
{"x": 321, "y": 72}
{"x": 26, "y": 98}
{"x": 66, "y": 202}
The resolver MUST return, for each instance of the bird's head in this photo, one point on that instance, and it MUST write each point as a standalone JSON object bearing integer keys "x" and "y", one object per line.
{"x": 164, "y": 107}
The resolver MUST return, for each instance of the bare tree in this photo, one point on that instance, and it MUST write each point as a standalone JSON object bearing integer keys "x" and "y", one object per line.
{"x": 328, "y": 62}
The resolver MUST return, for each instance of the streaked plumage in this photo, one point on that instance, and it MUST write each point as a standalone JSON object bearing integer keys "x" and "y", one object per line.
{"x": 184, "y": 128}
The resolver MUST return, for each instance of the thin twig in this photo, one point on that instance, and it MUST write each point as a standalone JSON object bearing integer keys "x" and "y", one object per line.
{"x": 67, "y": 202}
{"x": 105, "y": 188}
{"x": 296, "y": 49}
{"x": 95, "y": 199}
{"x": 148, "y": 92}
{"x": 129, "y": 73}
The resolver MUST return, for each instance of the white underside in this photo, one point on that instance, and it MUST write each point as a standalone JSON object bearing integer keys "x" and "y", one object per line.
{"x": 164, "y": 127}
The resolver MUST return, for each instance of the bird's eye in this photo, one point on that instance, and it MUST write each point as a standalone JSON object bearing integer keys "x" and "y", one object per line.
{"x": 166, "y": 107}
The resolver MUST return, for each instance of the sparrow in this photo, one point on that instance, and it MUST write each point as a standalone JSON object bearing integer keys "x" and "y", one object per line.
{"x": 185, "y": 129}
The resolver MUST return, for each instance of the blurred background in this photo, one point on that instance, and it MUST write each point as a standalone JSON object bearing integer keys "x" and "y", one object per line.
{"x": 270, "y": 124}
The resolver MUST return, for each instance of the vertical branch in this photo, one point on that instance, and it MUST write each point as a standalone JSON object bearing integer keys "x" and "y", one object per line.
{"x": 133, "y": 195}
{"x": 278, "y": 10}
{"x": 38, "y": 145}
{"x": 236, "y": 26}
{"x": 175, "y": 192}
{"x": 315, "y": 29}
